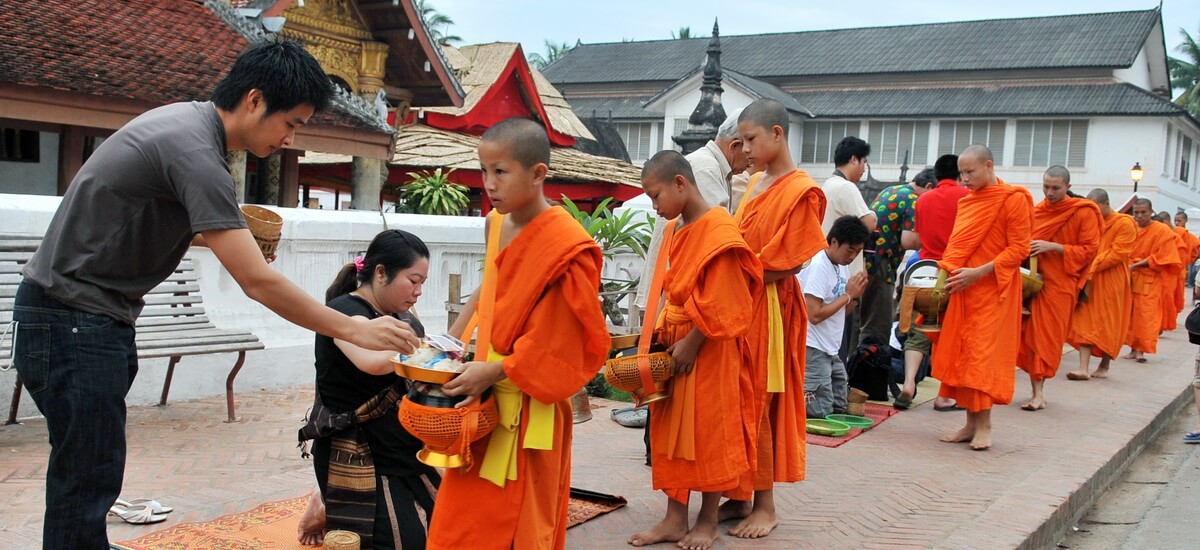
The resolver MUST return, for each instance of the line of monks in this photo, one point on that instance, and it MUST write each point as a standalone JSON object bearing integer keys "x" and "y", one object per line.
{"x": 1108, "y": 279}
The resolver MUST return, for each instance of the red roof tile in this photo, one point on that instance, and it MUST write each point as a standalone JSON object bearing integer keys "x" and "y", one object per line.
{"x": 148, "y": 50}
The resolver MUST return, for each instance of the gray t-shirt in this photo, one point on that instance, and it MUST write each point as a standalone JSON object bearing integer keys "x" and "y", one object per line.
{"x": 133, "y": 209}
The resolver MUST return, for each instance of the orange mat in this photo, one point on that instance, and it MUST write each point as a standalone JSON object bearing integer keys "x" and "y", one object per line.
{"x": 273, "y": 526}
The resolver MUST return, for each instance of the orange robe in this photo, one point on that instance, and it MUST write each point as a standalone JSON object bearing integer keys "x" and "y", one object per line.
{"x": 1074, "y": 223}
{"x": 1172, "y": 279}
{"x": 1103, "y": 320}
{"x": 1158, "y": 244}
{"x": 549, "y": 324}
{"x": 782, "y": 225}
{"x": 974, "y": 355}
{"x": 699, "y": 440}
{"x": 1193, "y": 249}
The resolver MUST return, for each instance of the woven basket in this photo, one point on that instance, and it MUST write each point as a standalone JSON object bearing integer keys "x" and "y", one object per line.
{"x": 342, "y": 540}
{"x": 265, "y": 225}
{"x": 446, "y": 432}
{"x": 622, "y": 373}
{"x": 856, "y": 395}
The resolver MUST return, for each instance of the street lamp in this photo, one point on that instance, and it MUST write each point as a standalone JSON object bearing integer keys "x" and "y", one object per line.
{"x": 1136, "y": 173}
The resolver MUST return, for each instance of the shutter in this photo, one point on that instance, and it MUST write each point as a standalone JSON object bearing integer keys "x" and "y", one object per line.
{"x": 920, "y": 145}
{"x": 876, "y": 140}
{"x": 1024, "y": 143}
{"x": 945, "y": 138}
{"x": 1040, "y": 154}
{"x": 1060, "y": 137}
{"x": 1077, "y": 149}
{"x": 823, "y": 149}
{"x": 996, "y": 138}
{"x": 808, "y": 146}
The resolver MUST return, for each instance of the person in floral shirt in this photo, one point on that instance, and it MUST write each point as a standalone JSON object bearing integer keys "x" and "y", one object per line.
{"x": 895, "y": 209}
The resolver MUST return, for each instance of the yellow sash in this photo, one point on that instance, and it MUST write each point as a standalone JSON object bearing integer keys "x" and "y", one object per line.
{"x": 774, "y": 312}
{"x": 500, "y": 460}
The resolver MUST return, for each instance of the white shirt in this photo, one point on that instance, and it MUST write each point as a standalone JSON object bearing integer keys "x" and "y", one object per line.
{"x": 842, "y": 198}
{"x": 827, "y": 282}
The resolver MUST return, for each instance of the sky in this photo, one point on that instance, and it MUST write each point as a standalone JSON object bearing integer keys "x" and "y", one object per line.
{"x": 532, "y": 22}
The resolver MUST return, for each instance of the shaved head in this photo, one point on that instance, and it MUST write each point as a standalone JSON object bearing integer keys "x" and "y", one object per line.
{"x": 1181, "y": 215}
{"x": 1144, "y": 202}
{"x": 665, "y": 165}
{"x": 1059, "y": 172}
{"x": 524, "y": 140}
{"x": 765, "y": 113}
{"x": 1098, "y": 196}
{"x": 977, "y": 151}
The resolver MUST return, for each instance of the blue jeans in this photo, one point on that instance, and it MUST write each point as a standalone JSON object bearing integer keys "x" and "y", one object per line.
{"x": 78, "y": 367}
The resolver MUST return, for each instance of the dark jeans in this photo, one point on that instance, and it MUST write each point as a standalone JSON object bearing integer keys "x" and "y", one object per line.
{"x": 876, "y": 312}
{"x": 78, "y": 367}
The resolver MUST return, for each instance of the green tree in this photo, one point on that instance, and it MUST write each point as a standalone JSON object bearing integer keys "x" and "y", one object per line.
{"x": 1185, "y": 74}
{"x": 553, "y": 52}
{"x": 437, "y": 23}
{"x": 683, "y": 34}
{"x": 432, "y": 192}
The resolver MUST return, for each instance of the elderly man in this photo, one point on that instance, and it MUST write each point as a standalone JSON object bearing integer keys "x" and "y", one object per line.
{"x": 714, "y": 165}
{"x": 977, "y": 348}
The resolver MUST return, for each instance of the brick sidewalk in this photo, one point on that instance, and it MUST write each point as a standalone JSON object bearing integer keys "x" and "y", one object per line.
{"x": 895, "y": 487}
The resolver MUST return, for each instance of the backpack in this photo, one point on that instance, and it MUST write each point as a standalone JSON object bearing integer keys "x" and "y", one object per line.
{"x": 1192, "y": 324}
{"x": 870, "y": 368}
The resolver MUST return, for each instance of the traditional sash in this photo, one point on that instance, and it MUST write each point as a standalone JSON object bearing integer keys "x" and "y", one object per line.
{"x": 500, "y": 460}
{"x": 774, "y": 312}
{"x": 657, "y": 279}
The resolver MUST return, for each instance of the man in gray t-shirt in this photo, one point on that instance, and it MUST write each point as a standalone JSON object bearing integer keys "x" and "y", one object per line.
{"x": 121, "y": 229}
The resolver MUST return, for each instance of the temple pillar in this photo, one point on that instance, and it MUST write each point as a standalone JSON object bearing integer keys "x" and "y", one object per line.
{"x": 268, "y": 176}
{"x": 237, "y": 168}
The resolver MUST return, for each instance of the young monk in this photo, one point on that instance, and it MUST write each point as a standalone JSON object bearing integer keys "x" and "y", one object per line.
{"x": 1155, "y": 257}
{"x": 1099, "y": 325}
{"x": 1193, "y": 247}
{"x": 548, "y": 342}
{"x": 1172, "y": 300}
{"x": 699, "y": 442}
{"x": 977, "y": 348}
{"x": 783, "y": 227}
{"x": 1066, "y": 235}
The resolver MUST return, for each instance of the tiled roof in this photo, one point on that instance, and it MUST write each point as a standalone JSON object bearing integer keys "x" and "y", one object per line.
{"x": 622, "y": 108}
{"x": 1088, "y": 40}
{"x": 145, "y": 50}
{"x": 1074, "y": 100}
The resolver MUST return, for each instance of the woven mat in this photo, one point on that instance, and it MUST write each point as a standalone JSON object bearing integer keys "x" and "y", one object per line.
{"x": 273, "y": 526}
{"x": 927, "y": 390}
{"x": 874, "y": 411}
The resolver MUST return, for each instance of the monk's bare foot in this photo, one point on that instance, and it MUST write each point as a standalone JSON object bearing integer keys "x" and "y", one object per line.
{"x": 757, "y": 525}
{"x": 1034, "y": 405}
{"x": 667, "y": 530}
{"x": 701, "y": 537}
{"x": 311, "y": 531}
{"x": 982, "y": 441}
{"x": 1079, "y": 375}
{"x": 962, "y": 436}
{"x": 733, "y": 509}
{"x": 1131, "y": 355}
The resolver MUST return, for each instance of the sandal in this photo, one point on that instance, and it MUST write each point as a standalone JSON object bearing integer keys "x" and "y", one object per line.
{"x": 137, "y": 514}
{"x": 154, "y": 505}
{"x": 631, "y": 417}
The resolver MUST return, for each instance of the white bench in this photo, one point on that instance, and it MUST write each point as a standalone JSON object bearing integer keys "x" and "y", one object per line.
{"x": 173, "y": 323}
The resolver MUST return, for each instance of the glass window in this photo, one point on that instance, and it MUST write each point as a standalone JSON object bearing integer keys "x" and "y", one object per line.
{"x": 892, "y": 141}
{"x": 820, "y": 139}
{"x": 1050, "y": 142}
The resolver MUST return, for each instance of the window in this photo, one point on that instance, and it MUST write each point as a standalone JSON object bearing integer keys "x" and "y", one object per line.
{"x": 20, "y": 145}
{"x": 637, "y": 139}
{"x": 821, "y": 138}
{"x": 681, "y": 126}
{"x": 1048, "y": 142}
{"x": 1184, "y": 154}
{"x": 956, "y": 135}
{"x": 892, "y": 141}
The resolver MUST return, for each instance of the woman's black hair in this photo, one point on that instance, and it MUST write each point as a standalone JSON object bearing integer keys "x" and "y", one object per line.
{"x": 395, "y": 250}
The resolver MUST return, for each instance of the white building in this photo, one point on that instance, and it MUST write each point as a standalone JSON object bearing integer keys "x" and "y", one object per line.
{"x": 1090, "y": 92}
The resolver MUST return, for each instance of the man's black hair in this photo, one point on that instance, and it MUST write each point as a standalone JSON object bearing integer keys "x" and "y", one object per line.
{"x": 285, "y": 73}
{"x": 946, "y": 167}
{"x": 925, "y": 178}
{"x": 848, "y": 148}
{"x": 848, "y": 230}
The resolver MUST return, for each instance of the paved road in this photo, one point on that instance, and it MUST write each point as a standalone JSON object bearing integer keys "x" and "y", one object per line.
{"x": 1155, "y": 504}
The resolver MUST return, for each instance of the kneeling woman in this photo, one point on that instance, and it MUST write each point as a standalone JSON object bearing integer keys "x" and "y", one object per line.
{"x": 354, "y": 383}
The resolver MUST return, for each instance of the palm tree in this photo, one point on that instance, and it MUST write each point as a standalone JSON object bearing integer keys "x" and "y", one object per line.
{"x": 436, "y": 22}
{"x": 684, "y": 33}
{"x": 553, "y": 52}
{"x": 1185, "y": 74}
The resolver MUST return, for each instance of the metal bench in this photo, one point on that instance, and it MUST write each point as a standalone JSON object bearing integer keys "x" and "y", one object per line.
{"x": 173, "y": 323}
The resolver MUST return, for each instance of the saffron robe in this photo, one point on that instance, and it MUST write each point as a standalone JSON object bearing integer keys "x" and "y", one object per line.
{"x": 699, "y": 438}
{"x": 974, "y": 355}
{"x": 782, "y": 225}
{"x": 1158, "y": 244}
{"x": 1074, "y": 223}
{"x": 1188, "y": 245}
{"x": 1103, "y": 320}
{"x": 550, "y": 327}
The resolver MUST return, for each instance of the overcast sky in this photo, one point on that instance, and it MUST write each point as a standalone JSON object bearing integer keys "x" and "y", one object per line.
{"x": 531, "y": 22}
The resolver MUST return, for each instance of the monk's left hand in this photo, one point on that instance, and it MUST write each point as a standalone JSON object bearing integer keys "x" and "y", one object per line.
{"x": 476, "y": 378}
{"x": 1042, "y": 247}
{"x": 964, "y": 277}
{"x": 683, "y": 352}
